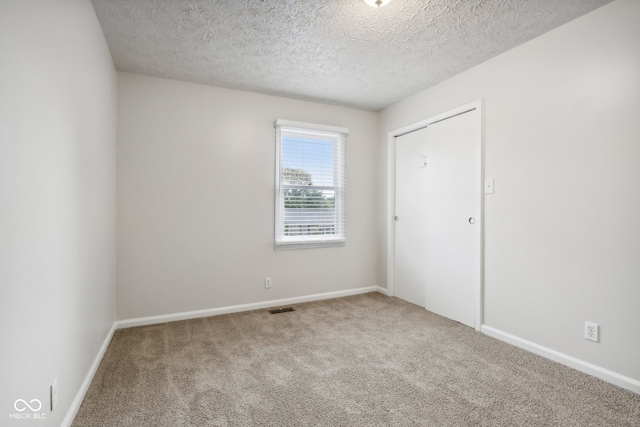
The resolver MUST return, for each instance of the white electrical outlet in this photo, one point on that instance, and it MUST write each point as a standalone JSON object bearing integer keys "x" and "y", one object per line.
{"x": 53, "y": 393}
{"x": 591, "y": 331}
{"x": 267, "y": 282}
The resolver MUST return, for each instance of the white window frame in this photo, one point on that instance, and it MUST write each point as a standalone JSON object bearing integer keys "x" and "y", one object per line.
{"x": 338, "y": 135}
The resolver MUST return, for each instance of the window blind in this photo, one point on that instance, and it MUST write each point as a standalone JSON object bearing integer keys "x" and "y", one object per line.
{"x": 310, "y": 185}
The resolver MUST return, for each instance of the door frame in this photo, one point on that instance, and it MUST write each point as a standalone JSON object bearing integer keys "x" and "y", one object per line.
{"x": 391, "y": 200}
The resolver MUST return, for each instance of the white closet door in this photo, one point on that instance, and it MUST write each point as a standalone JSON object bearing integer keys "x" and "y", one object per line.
{"x": 436, "y": 247}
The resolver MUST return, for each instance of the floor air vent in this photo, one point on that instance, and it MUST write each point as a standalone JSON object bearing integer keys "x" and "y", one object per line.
{"x": 281, "y": 310}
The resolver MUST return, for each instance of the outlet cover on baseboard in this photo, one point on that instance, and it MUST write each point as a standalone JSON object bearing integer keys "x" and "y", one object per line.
{"x": 591, "y": 331}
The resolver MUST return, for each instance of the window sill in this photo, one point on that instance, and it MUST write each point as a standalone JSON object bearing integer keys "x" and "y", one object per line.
{"x": 285, "y": 246}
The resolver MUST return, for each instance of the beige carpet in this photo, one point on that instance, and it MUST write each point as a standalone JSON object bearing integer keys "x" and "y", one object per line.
{"x": 366, "y": 360}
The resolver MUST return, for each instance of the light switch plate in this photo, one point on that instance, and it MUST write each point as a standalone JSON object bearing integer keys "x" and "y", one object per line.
{"x": 488, "y": 186}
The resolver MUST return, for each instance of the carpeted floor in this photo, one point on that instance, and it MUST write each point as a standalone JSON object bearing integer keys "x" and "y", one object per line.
{"x": 366, "y": 360}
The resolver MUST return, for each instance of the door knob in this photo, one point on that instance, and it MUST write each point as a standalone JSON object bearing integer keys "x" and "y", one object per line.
{"x": 472, "y": 220}
{"x": 396, "y": 217}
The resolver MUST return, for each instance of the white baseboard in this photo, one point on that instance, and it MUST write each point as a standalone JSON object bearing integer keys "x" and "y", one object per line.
{"x": 152, "y": 320}
{"x": 580, "y": 365}
{"x": 75, "y": 405}
{"x": 382, "y": 290}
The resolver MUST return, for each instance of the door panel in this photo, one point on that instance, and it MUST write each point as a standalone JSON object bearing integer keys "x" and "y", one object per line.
{"x": 411, "y": 235}
{"x": 436, "y": 245}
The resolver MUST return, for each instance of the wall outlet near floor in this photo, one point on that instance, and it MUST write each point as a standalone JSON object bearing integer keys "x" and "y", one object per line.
{"x": 591, "y": 331}
{"x": 267, "y": 282}
{"x": 53, "y": 393}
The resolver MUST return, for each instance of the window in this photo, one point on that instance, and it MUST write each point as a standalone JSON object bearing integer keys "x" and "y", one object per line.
{"x": 310, "y": 180}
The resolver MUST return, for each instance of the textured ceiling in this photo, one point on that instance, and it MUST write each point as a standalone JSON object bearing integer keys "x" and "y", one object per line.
{"x": 340, "y": 52}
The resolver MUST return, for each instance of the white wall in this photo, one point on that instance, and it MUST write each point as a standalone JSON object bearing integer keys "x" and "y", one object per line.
{"x": 196, "y": 199}
{"x": 57, "y": 200}
{"x": 562, "y": 141}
